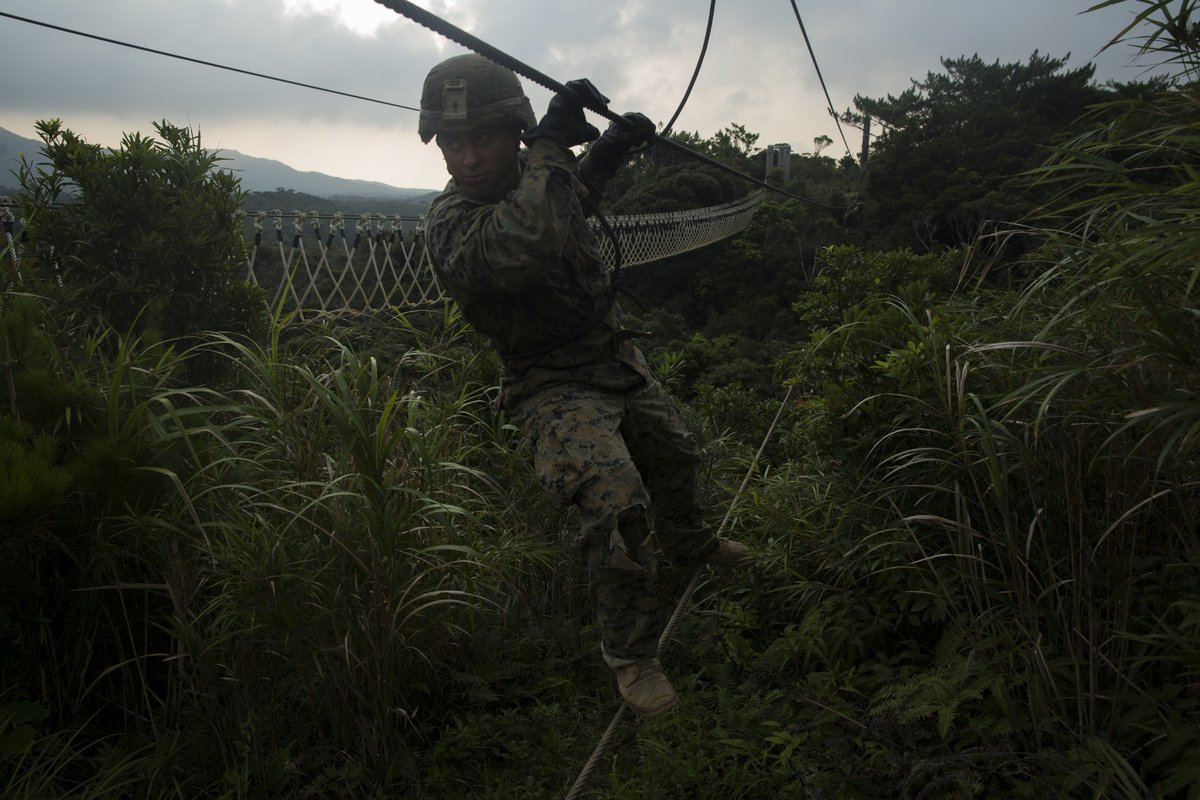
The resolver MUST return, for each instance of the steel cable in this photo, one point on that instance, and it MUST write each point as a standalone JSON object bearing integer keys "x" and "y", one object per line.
{"x": 820, "y": 77}
{"x": 712, "y": 8}
{"x": 201, "y": 62}
{"x": 457, "y": 35}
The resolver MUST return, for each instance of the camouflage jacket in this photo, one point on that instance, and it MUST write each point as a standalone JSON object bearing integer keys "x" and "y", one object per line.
{"x": 527, "y": 274}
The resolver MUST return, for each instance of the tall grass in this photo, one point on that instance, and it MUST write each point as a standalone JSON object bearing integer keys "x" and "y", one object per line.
{"x": 290, "y": 567}
{"x": 1001, "y": 594}
{"x": 1003, "y": 590}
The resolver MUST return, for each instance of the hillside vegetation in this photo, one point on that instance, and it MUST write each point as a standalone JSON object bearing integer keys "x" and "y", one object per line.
{"x": 242, "y": 557}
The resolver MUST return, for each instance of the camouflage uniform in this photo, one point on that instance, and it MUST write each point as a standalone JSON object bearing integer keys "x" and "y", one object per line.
{"x": 604, "y": 434}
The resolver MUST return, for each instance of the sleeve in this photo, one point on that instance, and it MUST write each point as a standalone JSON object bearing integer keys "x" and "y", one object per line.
{"x": 481, "y": 249}
{"x": 596, "y": 172}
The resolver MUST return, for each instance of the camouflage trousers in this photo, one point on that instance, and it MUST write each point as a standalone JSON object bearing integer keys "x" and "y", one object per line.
{"x": 625, "y": 460}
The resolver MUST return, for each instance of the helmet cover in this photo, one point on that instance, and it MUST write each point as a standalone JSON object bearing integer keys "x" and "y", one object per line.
{"x": 469, "y": 92}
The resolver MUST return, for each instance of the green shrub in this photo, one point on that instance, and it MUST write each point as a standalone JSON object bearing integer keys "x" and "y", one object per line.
{"x": 142, "y": 238}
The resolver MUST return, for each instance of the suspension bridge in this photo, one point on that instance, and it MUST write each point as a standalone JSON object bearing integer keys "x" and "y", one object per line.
{"x": 312, "y": 264}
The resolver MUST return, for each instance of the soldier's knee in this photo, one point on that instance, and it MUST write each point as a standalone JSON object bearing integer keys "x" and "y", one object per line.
{"x": 633, "y": 525}
{"x": 623, "y": 544}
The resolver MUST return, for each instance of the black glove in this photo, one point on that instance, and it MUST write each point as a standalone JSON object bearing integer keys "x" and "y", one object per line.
{"x": 564, "y": 122}
{"x": 611, "y": 149}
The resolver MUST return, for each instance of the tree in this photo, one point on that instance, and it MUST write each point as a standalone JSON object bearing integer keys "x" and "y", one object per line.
{"x": 666, "y": 180}
{"x": 955, "y": 144}
{"x": 743, "y": 287}
{"x": 732, "y": 144}
{"x": 143, "y": 238}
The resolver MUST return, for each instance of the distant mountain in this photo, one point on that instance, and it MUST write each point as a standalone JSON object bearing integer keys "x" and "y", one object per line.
{"x": 257, "y": 174}
{"x": 12, "y": 147}
{"x": 288, "y": 201}
{"x": 265, "y": 175}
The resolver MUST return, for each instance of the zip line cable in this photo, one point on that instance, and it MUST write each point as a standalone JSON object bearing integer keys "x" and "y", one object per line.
{"x": 475, "y": 44}
{"x": 201, "y": 62}
{"x": 712, "y": 8}
{"x": 819, "y": 76}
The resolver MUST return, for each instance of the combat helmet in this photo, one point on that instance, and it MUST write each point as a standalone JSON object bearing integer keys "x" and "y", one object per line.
{"x": 469, "y": 92}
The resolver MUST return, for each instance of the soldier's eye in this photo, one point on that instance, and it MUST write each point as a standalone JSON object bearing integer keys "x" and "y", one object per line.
{"x": 451, "y": 143}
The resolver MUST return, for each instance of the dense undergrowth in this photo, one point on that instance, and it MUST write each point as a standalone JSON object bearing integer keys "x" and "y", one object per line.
{"x": 314, "y": 563}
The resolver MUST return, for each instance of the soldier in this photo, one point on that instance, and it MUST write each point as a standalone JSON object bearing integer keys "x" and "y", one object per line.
{"x": 511, "y": 244}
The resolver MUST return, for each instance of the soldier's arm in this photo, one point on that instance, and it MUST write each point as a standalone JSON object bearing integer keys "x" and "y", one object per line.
{"x": 609, "y": 152}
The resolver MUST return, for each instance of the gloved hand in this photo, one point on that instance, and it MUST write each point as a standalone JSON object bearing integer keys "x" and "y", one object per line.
{"x": 564, "y": 121}
{"x": 611, "y": 149}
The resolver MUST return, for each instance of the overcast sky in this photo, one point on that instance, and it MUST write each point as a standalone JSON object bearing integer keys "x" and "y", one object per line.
{"x": 640, "y": 53}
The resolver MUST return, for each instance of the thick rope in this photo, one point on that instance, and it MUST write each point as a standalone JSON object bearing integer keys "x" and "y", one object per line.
{"x": 712, "y": 10}
{"x": 457, "y": 35}
{"x": 664, "y": 638}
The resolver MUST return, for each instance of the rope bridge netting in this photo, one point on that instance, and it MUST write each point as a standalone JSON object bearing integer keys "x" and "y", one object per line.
{"x": 313, "y": 264}
{"x": 382, "y": 262}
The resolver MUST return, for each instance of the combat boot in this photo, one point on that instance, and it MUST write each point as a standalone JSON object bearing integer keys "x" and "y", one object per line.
{"x": 645, "y": 687}
{"x": 729, "y": 555}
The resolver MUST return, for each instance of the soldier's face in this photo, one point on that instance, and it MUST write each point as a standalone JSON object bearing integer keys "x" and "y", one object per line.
{"x": 483, "y": 163}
